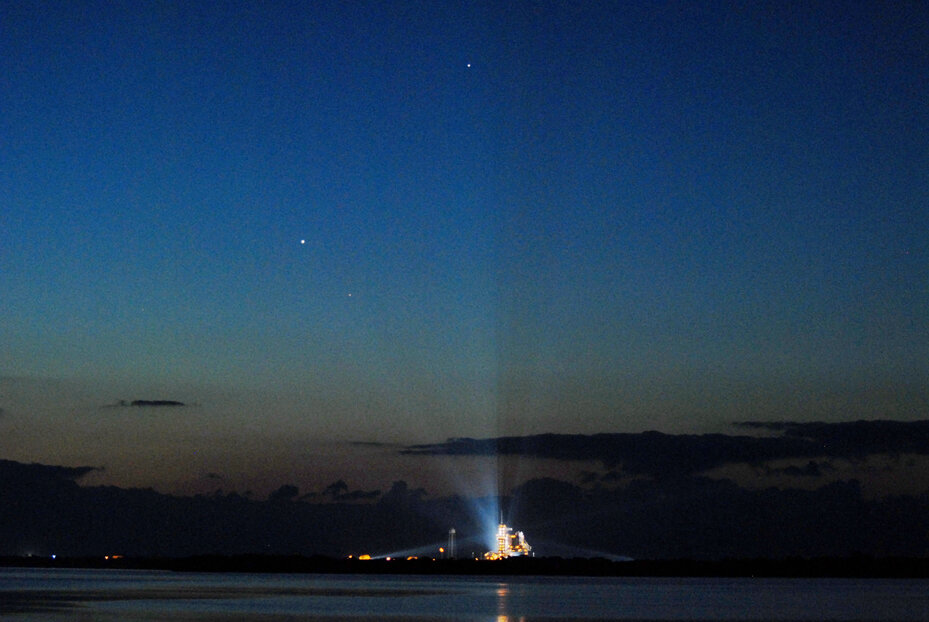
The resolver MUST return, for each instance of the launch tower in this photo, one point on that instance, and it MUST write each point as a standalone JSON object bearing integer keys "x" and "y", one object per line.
{"x": 509, "y": 544}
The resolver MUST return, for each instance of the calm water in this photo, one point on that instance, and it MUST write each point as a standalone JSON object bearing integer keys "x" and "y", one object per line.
{"x": 85, "y": 595}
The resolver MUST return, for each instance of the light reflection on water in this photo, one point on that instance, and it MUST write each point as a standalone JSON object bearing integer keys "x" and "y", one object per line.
{"x": 503, "y": 611}
{"x": 58, "y": 595}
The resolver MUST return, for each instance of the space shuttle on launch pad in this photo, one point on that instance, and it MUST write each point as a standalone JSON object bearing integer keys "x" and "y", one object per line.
{"x": 509, "y": 544}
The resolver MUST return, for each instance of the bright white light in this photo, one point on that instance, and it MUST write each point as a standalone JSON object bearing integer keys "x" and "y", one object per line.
{"x": 303, "y": 241}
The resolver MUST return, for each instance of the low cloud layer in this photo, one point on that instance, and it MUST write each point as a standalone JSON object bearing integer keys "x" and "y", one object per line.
{"x": 667, "y": 455}
{"x": 338, "y": 492}
{"x": 147, "y": 404}
{"x": 855, "y": 438}
{"x": 41, "y": 474}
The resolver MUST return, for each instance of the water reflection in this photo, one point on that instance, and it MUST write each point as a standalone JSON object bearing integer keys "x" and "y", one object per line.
{"x": 35, "y": 595}
{"x": 503, "y": 592}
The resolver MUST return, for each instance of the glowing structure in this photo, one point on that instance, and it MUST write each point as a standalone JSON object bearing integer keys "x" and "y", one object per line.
{"x": 451, "y": 543}
{"x": 509, "y": 544}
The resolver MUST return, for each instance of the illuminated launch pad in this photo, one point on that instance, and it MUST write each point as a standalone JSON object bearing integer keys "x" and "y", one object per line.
{"x": 509, "y": 544}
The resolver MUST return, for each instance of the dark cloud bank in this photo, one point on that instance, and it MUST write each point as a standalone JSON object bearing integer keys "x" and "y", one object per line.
{"x": 669, "y": 509}
{"x": 666, "y": 455}
{"x": 146, "y": 404}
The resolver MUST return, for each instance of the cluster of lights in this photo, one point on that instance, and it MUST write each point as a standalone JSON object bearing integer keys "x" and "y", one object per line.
{"x": 509, "y": 544}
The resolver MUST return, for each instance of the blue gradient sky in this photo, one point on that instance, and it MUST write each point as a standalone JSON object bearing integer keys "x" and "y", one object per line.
{"x": 399, "y": 222}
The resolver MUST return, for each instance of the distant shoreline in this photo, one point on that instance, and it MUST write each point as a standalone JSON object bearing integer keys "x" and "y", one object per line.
{"x": 839, "y": 567}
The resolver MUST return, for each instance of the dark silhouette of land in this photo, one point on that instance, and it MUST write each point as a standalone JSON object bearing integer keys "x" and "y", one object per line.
{"x": 670, "y": 509}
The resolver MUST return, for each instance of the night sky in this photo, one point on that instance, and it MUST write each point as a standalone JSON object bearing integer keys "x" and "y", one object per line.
{"x": 318, "y": 224}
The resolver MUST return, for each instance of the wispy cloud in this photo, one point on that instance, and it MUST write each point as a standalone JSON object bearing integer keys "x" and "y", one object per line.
{"x": 148, "y": 404}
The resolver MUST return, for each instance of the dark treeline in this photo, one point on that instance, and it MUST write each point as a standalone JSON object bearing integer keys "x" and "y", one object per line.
{"x": 44, "y": 511}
